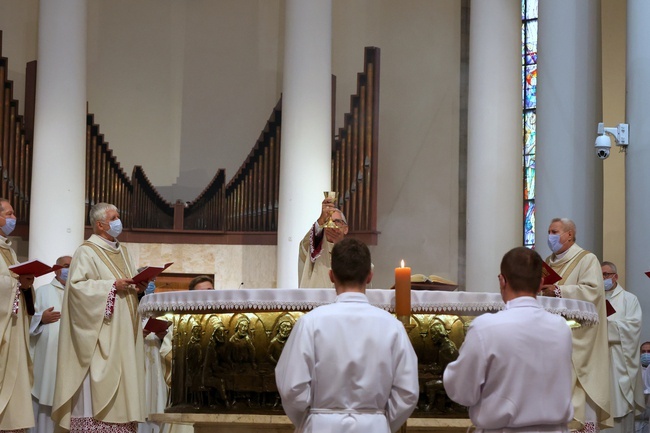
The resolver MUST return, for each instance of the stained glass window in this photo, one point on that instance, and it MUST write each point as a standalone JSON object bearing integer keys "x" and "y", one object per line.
{"x": 529, "y": 17}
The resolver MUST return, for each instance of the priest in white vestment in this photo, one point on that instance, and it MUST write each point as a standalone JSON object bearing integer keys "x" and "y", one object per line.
{"x": 348, "y": 366}
{"x": 16, "y": 301}
{"x": 316, "y": 247}
{"x": 624, "y": 333}
{"x": 100, "y": 379}
{"x": 514, "y": 367}
{"x": 582, "y": 279}
{"x": 44, "y": 333}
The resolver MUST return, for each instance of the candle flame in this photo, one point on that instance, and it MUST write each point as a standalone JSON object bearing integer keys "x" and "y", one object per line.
{"x": 402, "y": 263}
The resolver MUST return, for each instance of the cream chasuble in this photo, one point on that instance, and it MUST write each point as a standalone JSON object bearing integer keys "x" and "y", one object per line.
{"x": 109, "y": 350}
{"x": 315, "y": 274}
{"x": 16, "y": 376}
{"x": 582, "y": 279}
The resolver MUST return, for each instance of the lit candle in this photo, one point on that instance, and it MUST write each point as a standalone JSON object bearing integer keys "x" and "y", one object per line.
{"x": 403, "y": 291}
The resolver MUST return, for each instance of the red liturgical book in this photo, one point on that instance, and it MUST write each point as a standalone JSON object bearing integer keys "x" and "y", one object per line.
{"x": 610, "y": 309}
{"x": 150, "y": 272}
{"x": 648, "y": 274}
{"x": 549, "y": 275}
{"x": 35, "y": 267}
{"x": 156, "y": 325}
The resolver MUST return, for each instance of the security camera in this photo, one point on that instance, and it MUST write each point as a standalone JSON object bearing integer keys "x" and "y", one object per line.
{"x": 603, "y": 145}
{"x": 603, "y": 142}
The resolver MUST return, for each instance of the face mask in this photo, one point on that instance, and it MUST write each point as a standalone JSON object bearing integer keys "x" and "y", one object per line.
{"x": 554, "y": 243}
{"x": 64, "y": 274}
{"x": 115, "y": 228}
{"x": 10, "y": 225}
{"x": 609, "y": 284}
{"x": 645, "y": 359}
{"x": 151, "y": 287}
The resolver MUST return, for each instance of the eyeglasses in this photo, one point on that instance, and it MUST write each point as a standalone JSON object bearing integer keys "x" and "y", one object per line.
{"x": 340, "y": 223}
{"x": 608, "y": 274}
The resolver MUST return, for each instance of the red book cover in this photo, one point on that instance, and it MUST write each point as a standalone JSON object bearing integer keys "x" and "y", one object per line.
{"x": 648, "y": 274}
{"x": 35, "y": 267}
{"x": 150, "y": 272}
{"x": 156, "y": 325}
{"x": 549, "y": 275}
{"x": 610, "y": 309}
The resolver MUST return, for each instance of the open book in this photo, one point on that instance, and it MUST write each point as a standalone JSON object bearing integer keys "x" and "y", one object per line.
{"x": 150, "y": 272}
{"x": 431, "y": 282}
{"x": 35, "y": 267}
{"x": 549, "y": 275}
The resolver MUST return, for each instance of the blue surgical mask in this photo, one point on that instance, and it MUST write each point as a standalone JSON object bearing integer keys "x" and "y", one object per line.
{"x": 151, "y": 287}
{"x": 554, "y": 243}
{"x": 645, "y": 359}
{"x": 608, "y": 284}
{"x": 115, "y": 228}
{"x": 10, "y": 225}
{"x": 64, "y": 274}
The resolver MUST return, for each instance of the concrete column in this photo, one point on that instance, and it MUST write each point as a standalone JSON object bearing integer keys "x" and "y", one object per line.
{"x": 494, "y": 154}
{"x": 637, "y": 175}
{"x": 305, "y": 161}
{"x": 59, "y": 160}
{"x": 569, "y": 107}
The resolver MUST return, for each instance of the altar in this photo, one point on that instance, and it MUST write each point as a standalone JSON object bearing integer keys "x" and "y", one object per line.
{"x": 226, "y": 344}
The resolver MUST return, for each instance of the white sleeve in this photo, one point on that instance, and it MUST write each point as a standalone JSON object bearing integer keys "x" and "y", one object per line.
{"x": 464, "y": 378}
{"x": 294, "y": 372}
{"x": 406, "y": 389}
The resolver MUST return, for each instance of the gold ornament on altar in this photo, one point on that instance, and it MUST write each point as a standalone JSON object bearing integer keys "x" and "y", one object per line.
{"x": 333, "y": 196}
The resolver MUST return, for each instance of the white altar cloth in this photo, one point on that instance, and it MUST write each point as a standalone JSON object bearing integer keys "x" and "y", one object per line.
{"x": 422, "y": 301}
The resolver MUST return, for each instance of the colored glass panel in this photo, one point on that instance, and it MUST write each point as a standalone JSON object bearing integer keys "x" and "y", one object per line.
{"x": 530, "y": 87}
{"x": 530, "y": 132}
{"x": 529, "y": 224}
{"x": 529, "y": 28}
{"x": 529, "y": 10}
{"x": 530, "y": 45}
{"x": 529, "y": 177}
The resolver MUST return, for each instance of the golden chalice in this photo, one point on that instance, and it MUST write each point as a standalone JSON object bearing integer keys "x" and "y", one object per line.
{"x": 331, "y": 195}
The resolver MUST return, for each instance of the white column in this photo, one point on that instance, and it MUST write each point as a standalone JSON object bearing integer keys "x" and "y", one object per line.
{"x": 637, "y": 181}
{"x": 494, "y": 154}
{"x": 569, "y": 107}
{"x": 57, "y": 200}
{"x": 305, "y": 161}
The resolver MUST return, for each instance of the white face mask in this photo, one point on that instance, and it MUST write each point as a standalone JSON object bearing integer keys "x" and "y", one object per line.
{"x": 554, "y": 243}
{"x": 115, "y": 228}
{"x": 10, "y": 225}
{"x": 609, "y": 284}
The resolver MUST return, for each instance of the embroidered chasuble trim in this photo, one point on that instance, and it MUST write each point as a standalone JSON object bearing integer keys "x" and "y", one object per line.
{"x": 572, "y": 265}
{"x": 118, "y": 274}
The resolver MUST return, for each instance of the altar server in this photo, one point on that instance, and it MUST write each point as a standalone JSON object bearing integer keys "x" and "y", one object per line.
{"x": 348, "y": 366}
{"x": 514, "y": 368}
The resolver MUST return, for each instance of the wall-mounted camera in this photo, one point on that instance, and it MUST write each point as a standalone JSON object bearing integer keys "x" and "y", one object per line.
{"x": 603, "y": 142}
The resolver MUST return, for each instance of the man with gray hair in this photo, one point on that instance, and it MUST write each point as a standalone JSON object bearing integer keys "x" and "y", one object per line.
{"x": 581, "y": 278}
{"x": 100, "y": 382}
{"x": 624, "y": 334}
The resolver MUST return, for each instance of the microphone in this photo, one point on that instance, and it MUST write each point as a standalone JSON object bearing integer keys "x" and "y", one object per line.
{"x": 241, "y": 285}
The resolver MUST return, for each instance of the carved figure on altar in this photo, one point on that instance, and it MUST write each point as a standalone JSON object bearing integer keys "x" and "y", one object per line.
{"x": 214, "y": 372}
{"x": 278, "y": 342}
{"x": 194, "y": 364}
{"x": 445, "y": 352}
{"x": 241, "y": 350}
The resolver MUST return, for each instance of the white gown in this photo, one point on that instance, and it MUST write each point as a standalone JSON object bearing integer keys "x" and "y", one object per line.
{"x": 348, "y": 367}
{"x": 514, "y": 370}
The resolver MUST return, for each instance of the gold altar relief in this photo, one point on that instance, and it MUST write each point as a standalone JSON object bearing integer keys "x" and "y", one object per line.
{"x": 225, "y": 362}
